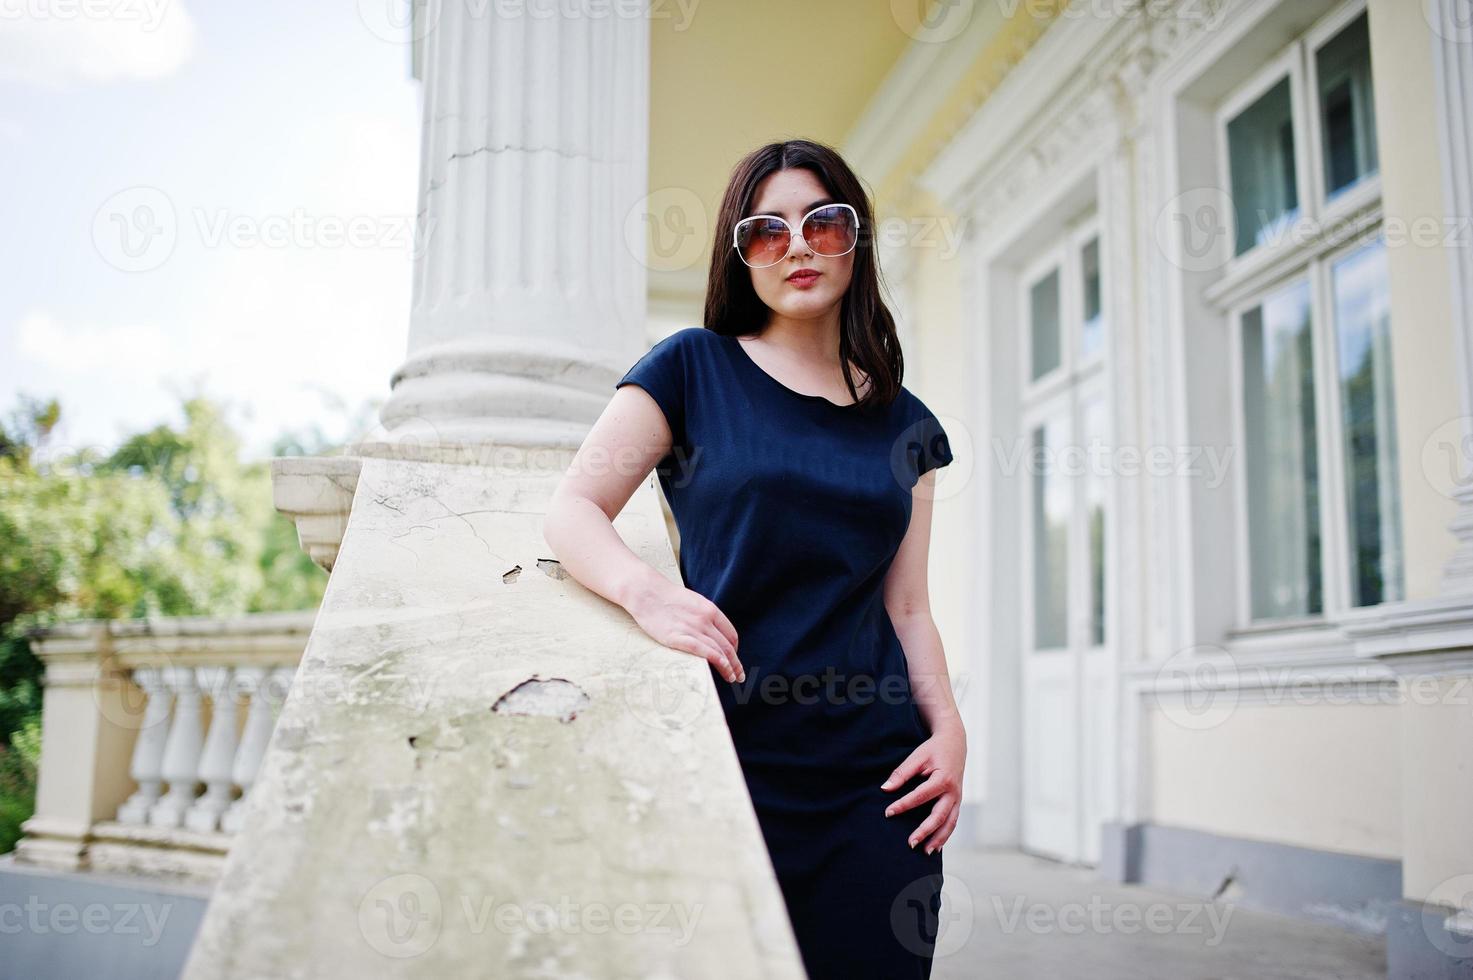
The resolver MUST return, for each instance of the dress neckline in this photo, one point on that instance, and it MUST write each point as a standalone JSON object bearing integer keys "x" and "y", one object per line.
{"x": 742, "y": 350}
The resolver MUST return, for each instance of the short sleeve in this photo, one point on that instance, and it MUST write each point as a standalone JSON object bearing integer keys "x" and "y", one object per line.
{"x": 928, "y": 440}
{"x": 661, "y": 372}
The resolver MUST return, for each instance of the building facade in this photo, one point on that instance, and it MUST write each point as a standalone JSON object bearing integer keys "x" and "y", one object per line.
{"x": 1205, "y": 344}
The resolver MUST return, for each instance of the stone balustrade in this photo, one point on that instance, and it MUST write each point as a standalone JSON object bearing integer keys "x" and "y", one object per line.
{"x": 152, "y": 734}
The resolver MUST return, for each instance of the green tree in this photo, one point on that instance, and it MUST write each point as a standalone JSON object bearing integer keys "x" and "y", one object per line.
{"x": 171, "y": 523}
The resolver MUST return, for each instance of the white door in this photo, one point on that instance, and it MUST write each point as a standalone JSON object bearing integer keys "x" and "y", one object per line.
{"x": 1066, "y": 664}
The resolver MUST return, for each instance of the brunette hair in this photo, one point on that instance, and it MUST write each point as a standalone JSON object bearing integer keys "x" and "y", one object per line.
{"x": 866, "y": 327}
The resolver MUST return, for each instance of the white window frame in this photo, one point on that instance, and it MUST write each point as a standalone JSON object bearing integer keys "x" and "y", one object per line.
{"x": 1063, "y": 255}
{"x": 1352, "y": 221}
{"x": 1297, "y": 60}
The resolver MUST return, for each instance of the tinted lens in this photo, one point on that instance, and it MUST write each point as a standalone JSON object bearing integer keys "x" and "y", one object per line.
{"x": 831, "y": 230}
{"x": 762, "y": 241}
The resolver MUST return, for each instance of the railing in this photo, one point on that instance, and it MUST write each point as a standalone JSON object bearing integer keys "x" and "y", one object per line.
{"x": 152, "y": 734}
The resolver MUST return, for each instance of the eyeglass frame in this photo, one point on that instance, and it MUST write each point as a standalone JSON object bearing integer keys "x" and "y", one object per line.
{"x": 794, "y": 234}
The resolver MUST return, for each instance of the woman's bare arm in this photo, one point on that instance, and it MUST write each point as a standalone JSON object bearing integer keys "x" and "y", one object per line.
{"x": 942, "y": 757}
{"x": 621, "y": 448}
{"x": 908, "y": 601}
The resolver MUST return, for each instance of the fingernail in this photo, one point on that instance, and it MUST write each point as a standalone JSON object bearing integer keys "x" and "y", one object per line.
{"x": 912, "y": 843}
{"x": 890, "y": 812}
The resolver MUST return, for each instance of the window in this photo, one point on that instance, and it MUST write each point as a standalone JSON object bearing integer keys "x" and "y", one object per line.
{"x": 1065, "y": 305}
{"x": 1281, "y": 463}
{"x": 1043, "y": 318}
{"x": 1347, "y": 115}
{"x": 1316, "y": 406}
{"x": 1368, "y": 424}
{"x": 1261, "y": 163}
{"x": 1061, "y": 299}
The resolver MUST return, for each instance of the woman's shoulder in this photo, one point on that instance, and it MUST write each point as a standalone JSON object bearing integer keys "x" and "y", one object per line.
{"x": 690, "y": 337}
{"x": 910, "y": 405}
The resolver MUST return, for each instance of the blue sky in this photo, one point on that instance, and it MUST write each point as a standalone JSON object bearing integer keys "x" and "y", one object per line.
{"x": 212, "y": 197}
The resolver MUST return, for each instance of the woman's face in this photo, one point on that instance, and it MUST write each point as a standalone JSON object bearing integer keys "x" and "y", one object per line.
{"x": 792, "y": 194}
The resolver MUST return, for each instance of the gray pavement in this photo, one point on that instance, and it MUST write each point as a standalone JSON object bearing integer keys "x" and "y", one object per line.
{"x": 1011, "y": 916}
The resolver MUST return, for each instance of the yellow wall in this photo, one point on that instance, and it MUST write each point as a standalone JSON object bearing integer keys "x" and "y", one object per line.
{"x": 1324, "y": 776}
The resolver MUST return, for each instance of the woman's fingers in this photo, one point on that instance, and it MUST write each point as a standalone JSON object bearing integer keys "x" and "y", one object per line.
{"x": 706, "y": 648}
{"x": 933, "y": 787}
{"x": 903, "y": 772}
{"x": 938, "y": 815}
{"x": 727, "y": 648}
{"x": 724, "y": 624}
{"x": 939, "y": 839}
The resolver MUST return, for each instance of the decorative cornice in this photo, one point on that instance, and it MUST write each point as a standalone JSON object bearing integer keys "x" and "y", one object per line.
{"x": 1086, "y": 76}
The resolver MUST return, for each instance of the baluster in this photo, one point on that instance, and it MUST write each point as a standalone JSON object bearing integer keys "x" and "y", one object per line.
{"x": 267, "y": 691}
{"x": 148, "y": 749}
{"x": 218, "y": 760}
{"x": 181, "y": 754}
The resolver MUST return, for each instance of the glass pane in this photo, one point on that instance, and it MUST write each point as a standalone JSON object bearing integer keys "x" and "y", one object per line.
{"x": 1050, "y": 538}
{"x": 1092, "y": 333}
{"x": 1282, "y": 464}
{"x": 1261, "y": 158}
{"x": 1096, "y": 452}
{"x": 1347, "y": 115}
{"x": 1043, "y": 317}
{"x": 1373, "y": 502}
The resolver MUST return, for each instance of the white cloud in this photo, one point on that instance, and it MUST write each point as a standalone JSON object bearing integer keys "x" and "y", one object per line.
{"x": 60, "y": 42}
{"x": 116, "y": 350}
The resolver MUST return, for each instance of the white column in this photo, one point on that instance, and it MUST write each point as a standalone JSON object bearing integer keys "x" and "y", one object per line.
{"x": 1452, "y": 49}
{"x": 528, "y": 302}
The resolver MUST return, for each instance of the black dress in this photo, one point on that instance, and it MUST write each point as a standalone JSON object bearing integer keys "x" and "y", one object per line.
{"x": 790, "y": 509}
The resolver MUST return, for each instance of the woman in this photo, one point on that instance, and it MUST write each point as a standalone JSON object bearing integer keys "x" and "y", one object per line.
{"x": 803, "y": 500}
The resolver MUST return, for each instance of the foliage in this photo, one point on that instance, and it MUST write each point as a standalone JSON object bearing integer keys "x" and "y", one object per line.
{"x": 171, "y": 523}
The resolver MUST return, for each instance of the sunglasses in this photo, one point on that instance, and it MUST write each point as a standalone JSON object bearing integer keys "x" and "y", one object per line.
{"x": 763, "y": 240}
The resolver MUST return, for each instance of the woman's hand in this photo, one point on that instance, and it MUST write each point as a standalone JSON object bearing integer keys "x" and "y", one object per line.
{"x": 942, "y": 758}
{"x": 687, "y": 621}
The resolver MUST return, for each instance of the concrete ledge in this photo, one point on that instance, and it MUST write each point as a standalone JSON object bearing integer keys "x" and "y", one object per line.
{"x": 1355, "y": 892}
{"x": 80, "y": 924}
{"x": 484, "y": 769}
